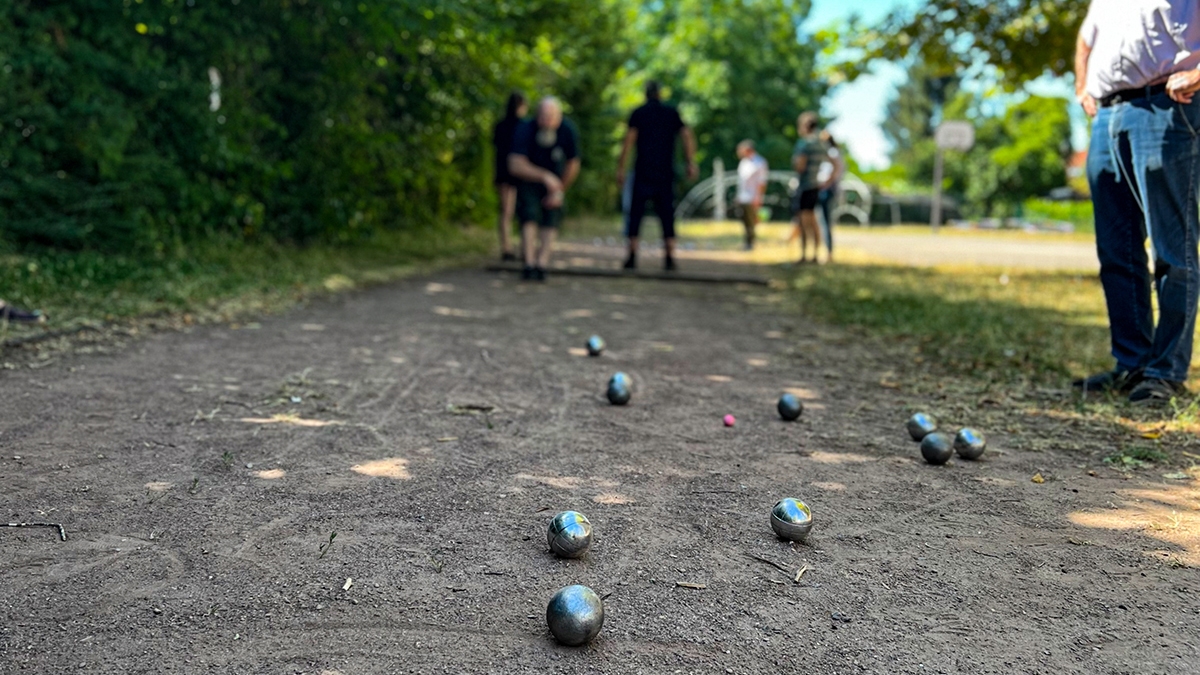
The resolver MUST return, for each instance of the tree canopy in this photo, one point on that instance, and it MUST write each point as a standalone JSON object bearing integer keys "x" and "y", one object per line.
{"x": 144, "y": 123}
{"x": 1022, "y": 39}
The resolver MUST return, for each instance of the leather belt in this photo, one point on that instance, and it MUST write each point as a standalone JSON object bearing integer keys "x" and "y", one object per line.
{"x": 1127, "y": 95}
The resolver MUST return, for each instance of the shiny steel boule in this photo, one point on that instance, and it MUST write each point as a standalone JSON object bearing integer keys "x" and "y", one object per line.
{"x": 921, "y": 425}
{"x": 575, "y": 615}
{"x": 569, "y": 534}
{"x": 790, "y": 407}
{"x": 791, "y": 519}
{"x": 619, "y": 389}
{"x": 937, "y": 448}
{"x": 595, "y": 345}
{"x": 970, "y": 444}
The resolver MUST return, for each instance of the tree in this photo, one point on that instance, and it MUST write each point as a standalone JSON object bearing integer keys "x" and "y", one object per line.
{"x": 1022, "y": 39}
{"x": 737, "y": 69}
{"x": 912, "y": 114}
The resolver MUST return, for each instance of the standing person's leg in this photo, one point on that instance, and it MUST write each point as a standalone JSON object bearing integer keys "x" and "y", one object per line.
{"x": 508, "y": 206}
{"x": 1165, "y": 148}
{"x": 749, "y": 221}
{"x": 548, "y": 232}
{"x": 1121, "y": 248}
{"x": 529, "y": 214}
{"x": 825, "y": 200}
{"x": 633, "y": 220}
{"x": 808, "y": 221}
{"x": 664, "y": 207}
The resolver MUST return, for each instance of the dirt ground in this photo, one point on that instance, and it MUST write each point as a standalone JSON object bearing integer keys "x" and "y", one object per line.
{"x": 199, "y": 474}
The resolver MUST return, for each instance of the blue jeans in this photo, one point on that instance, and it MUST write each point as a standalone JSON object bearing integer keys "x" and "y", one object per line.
{"x": 1144, "y": 171}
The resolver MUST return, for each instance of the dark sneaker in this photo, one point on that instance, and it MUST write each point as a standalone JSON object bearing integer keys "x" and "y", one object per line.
{"x": 539, "y": 274}
{"x": 508, "y": 257}
{"x": 669, "y": 264}
{"x": 1153, "y": 391}
{"x": 18, "y": 315}
{"x": 631, "y": 262}
{"x": 1119, "y": 380}
{"x": 527, "y": 273}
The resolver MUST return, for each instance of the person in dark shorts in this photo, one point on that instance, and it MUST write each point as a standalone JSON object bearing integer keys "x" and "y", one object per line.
{"x": 653, "y": 128}
{"x": 506, "y": 184}
{"x": 545, "y": 157}
{"x": 828, "y": 178}
{"x": 806, "y": 160}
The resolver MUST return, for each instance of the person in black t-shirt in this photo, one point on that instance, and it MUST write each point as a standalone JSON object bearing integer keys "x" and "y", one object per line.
{"x": 545, "y": 157}
{"x": 653, "y": 128}
{"x": 506, "y": 184}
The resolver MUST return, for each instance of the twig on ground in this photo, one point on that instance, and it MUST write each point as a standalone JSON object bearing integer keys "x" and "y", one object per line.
{"x": 62, "y": 532}
{"x": 772, "y": 563}
{"x": 799, "y": 573}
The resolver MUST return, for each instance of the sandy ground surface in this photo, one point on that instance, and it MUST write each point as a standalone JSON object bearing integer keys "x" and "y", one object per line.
{"x": 953, "y": 249}
{"x": 436, "y": 425}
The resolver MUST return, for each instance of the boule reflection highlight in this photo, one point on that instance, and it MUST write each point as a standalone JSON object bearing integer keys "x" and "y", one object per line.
{"x": 791, "y": 519}
{"x": 937, "y": 448}
{"x": 619, "y": 389}
{"x": 569, "y": 534}
{"x": 970, "y": 444}
{"x": 790, "y": 408}
{"x": 595, "y": 345}
{"x": 921, "y": 425}
{"x": 575, "y": 615}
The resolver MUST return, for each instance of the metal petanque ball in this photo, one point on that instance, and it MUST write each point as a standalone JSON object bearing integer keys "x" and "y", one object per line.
{"x": 921, "y": 425}
{"x": 575, "y": 615}
{"x": 618, "y": 389}
{"x": 937, "y": 448}
{"x": 969, "y": 444}
{"x": 595, "y": 345}
{"x": 790, "y": 407}
{"x": 791, "y": 519}
{"x": 569, "y": 534}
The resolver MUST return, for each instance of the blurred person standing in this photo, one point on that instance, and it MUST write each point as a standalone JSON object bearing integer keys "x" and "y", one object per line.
{"x": 752, "y": 176}
{"x": 506, "y": 183}
{"x": 653, "y": 129}
{"x": 828, "y": 178}
{"x": 1136, "y": 72}
{"x": 809, "y": 153}
{"x": 545, "y": 157}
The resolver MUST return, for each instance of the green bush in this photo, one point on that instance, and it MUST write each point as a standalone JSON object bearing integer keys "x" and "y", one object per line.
{"x": 1079, "y": 213}
{"x": 336, "y": 119}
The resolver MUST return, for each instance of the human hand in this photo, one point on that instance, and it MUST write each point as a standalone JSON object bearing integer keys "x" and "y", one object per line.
{"x": 1182, "y": 86}
{"x": 553, "y": 199}
{"x": 1088, "y": 103}
{"x": 552, "y": 183}
{"x": 693, "y": 171}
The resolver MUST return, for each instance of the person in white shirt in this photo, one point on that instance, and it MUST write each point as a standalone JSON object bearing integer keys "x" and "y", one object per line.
{"x": 1136, "y": 72}
{"x": 753, "y": 174}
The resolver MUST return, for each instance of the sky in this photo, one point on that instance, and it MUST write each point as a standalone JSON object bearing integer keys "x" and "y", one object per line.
{"x": 858, "y": 108}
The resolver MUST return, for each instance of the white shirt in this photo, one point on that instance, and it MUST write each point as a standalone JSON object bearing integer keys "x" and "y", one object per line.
{"x": 752, "y": 175}
{"x": 827, "y": 168}
{"x": 1136, "y": 43}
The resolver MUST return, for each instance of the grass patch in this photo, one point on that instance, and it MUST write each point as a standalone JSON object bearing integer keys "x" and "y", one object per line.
{"x": 216, "y": 279}
{"x": 1028, "y": 326}
{"x": 1136, "y": 457}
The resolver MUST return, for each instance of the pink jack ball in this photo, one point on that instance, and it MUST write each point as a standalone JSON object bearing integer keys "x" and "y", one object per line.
{"x": 730, "y": 421}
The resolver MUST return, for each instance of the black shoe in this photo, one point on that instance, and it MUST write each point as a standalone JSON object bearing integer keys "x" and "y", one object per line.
{"x": 1119, "y": 380}
{"x": 1155, "y": 391}
{"x": 631, "y": 262}
{"x": 18, "y": 315}
{"x": 539, "y": 274}
{"x": 508, "y": 257}
{"x": 669, "y": 264}
{"x": 527, "y": 273}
